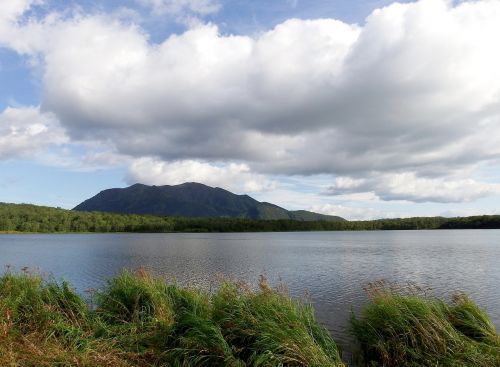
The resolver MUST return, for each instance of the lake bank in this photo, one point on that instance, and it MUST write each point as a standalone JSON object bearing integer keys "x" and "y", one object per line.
{"x": 139, "y": 320}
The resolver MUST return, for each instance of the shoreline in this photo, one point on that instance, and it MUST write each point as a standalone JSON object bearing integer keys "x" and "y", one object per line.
{"x": 235, "y": 325}
{"x": 284, "y": 231}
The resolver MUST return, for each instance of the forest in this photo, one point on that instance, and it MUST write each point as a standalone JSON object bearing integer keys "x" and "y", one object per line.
{"x": 39, "y": 219}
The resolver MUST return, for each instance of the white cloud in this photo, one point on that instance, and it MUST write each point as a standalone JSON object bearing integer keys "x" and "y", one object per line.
{"x": 30, "y": 134}
{"x": 11, "y": 10}
{"x": 352, "y": 213}
{"x": 234, "y": 177}
{"x": 25, "y": 133}
{"x": 25, "y": 36}
{"x": 407, "y": 186}
{"x": 413, "y": 93}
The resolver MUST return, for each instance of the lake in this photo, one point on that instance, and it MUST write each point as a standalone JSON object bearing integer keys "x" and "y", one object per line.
{"x": 330, "y": 268}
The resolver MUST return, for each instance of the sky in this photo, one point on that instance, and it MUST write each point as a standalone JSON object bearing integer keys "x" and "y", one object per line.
{"x": 359, "y": 108}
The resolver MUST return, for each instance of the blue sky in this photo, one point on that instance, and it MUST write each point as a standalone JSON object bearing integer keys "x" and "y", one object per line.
{"x": 363, "y": 109}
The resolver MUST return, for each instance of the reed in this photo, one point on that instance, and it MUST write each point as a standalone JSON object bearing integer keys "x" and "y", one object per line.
{"x": 404, "y": 326}
{"x": 139, "y": 320}
{"x": 268, "y": 328}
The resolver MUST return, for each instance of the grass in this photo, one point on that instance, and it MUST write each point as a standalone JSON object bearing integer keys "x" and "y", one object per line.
{"x": 269, "y": 329}
{"x": 138, "y": 320}
{"x": 403, "y": 326}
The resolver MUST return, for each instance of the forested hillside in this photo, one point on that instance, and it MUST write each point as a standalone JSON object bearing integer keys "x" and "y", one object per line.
{"x": 31, "y": 218}
{"x": 191, "y": 199}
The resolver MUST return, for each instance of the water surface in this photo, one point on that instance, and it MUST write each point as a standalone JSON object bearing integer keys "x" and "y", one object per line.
{"x": 330, "y": 268}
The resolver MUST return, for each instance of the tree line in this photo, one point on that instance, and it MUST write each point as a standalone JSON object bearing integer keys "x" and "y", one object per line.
{"x": 40, "y": 219}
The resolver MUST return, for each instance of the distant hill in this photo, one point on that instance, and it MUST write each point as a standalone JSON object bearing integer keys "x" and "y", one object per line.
{"x": 191, "y": 200}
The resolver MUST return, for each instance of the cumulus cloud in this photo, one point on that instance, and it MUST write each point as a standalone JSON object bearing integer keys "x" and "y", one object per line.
{"x": 24, "y": 35}
{"x": 11, "y": 10}
{"x": 235, "y": 177}
{"x": 25, "y": 133}
{"x": 28, "y": 133}
{"x": 407, "y": 186}
{"x": 412, "y": 95}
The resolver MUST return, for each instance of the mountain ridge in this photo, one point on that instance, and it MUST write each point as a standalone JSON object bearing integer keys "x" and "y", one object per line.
{"x": 191, "y": 199}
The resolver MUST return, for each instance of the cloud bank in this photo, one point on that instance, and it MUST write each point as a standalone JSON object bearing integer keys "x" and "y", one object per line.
{"x": 407, "y": 186}
{"x": 406, "y": 105}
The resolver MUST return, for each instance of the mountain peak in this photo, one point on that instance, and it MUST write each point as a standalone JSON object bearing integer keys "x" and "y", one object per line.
{"x": 190, "y": 199}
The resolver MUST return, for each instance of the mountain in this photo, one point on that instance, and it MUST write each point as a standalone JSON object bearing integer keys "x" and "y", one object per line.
{"x": 191, "y": 200}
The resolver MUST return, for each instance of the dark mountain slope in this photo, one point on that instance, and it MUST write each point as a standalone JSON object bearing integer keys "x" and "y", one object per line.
{"x": 190, "y": 200}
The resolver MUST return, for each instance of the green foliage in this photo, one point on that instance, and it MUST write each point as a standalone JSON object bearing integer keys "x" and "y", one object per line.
{"x": 470, "y": 320}
{"x": 404, "y": 327}
{"x": 270, "y": 329}
{"x": 134, "y": 298}
{"x": 31, "y": 218}
{"x": 142, "y": 321}
{"x": 138, "y": 320}
{"x": 29, "y": 305}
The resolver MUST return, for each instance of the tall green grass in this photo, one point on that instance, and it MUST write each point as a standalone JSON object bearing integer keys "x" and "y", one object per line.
{"x": 138, "y": 320}
{"x": 270, "y": 329}
{"x": 402, "y": 326}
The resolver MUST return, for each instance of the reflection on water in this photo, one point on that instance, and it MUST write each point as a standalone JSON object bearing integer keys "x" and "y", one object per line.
{"x": 330, "y": 267}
